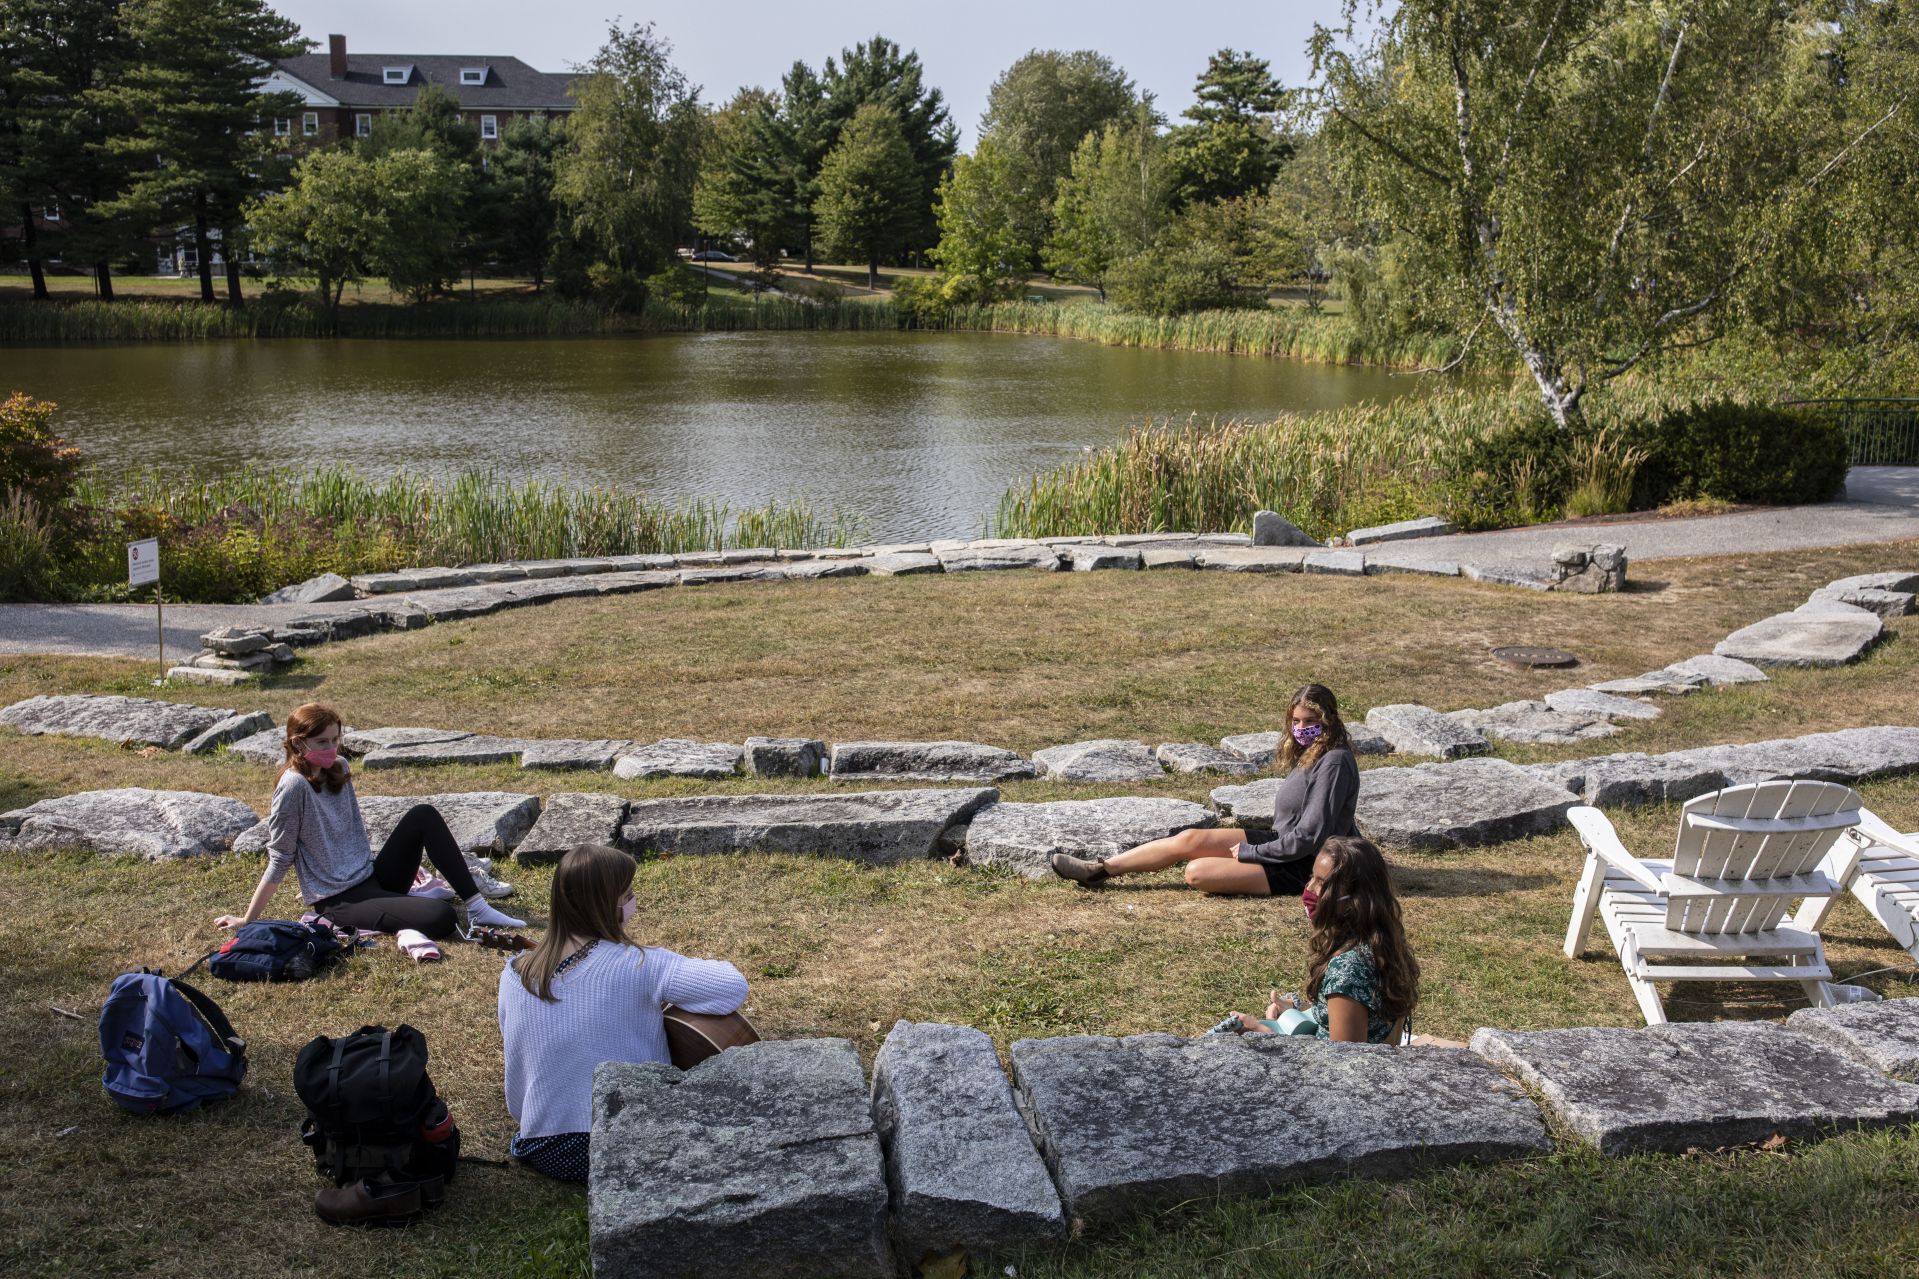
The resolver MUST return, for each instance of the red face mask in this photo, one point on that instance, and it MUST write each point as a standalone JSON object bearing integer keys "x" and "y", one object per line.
{"x": 1310, "y": 900}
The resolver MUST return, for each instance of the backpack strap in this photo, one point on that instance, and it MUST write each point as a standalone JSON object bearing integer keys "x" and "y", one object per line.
{"x": 196, "y": 964}
{"x": 217, "y": 1020}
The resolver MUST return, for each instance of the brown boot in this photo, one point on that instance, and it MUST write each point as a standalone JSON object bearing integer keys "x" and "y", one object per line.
{"x": 1080, "y": 870}
{"x": 361, "y": 1203}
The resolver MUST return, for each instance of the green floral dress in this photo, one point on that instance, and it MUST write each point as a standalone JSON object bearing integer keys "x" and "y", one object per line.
{"x": 1352, "y": 974}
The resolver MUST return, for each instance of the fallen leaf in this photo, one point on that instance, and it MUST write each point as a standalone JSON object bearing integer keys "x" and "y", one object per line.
{"x": 150, "y": 751}
{"x": 1775, "y": 1142}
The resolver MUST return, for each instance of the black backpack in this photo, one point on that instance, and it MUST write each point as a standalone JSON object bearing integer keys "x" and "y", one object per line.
{"x": 372, "y": 1112}
{"x": 275, "y": 950}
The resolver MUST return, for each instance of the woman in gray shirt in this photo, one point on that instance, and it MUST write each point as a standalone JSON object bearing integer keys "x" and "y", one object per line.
{"x": 1314, "y": 803}
{"x": 315, "y": 827}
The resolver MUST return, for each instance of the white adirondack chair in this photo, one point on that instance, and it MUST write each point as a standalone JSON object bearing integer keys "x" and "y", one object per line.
{"x": 1880, "y": 867}
{"x": 1744, "y": 855}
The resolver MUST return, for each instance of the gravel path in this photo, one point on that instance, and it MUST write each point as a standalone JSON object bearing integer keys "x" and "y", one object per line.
{"x": 1881, "y": 505}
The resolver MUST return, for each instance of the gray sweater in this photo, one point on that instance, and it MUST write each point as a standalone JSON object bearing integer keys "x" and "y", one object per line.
{"x": 1313, "y": 805}
{"x": 320, "y": 833}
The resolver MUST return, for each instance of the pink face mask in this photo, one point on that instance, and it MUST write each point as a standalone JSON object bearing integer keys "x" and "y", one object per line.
{"x": 322, "y": 757}
{"x": 627, "y": 908}
{"x": 1310, "y": 900}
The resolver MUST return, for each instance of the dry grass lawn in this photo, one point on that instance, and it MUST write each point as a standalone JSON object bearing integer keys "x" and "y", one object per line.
{"x": 1022, "y": 660}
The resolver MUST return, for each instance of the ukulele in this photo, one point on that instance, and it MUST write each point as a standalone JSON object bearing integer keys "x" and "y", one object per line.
{"x": 693, "y": 1037}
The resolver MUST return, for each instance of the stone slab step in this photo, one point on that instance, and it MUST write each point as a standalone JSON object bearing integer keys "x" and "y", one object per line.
{"x": 959, "y": 1159}
{"x": 570, "y": 818}
{"x": 876, "y": 827}
{"x": 1104, "y": 760}
{"x": 947, "y": 761}
{"x": 572, "y": 754}
{"x": 1534, "y": 723}
{"x": 677, "y": 757}
{"x": 475, "y": 748}
{"x": 1803, "y": 639}
{"x": 139, "y": 720}
{"x": 762, "y": 1160}
{"x": 1674, "y": 1087}
{"x": 156, "y": 825}
{"x": 1251, "y": 559}
{"x": 1462, "y": 804}
{"x": 1883, "y": 1034}
{"x": 1197, "y": 757}
{"x": 1152, "y": 1121}
{"x": 1420, "y": 730}
{"x": 1025, "y": 836}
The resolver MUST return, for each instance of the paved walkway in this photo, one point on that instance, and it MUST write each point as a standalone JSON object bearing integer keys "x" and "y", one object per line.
{"x": 1881, "y": 505}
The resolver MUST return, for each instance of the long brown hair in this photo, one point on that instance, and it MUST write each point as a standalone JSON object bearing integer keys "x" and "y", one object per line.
{"x": 1291, "y": 754}
{"x": 305, "y": 722}
{"x": 1357, "y": 906}
{"x": 586, "y": 907}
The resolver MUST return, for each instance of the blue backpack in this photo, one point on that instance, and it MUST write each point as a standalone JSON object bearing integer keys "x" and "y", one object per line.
{"x": 274, "y": 950}
{"x": 167, "y": 1046}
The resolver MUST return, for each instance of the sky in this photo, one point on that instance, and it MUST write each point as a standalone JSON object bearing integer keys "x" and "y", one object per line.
{"x": 964, "y": 46}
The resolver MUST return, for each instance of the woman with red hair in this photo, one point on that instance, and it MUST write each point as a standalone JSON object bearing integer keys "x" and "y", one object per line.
{"x": 315, "y": 827}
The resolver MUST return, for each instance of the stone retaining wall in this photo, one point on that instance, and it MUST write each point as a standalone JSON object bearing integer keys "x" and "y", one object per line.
{"x": 412, "y": 598}
{"x": 778, "y": 1158}
{"x": 1461, "y": 803}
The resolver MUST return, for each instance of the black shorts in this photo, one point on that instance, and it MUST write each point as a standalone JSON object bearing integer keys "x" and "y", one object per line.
{"x": 1283, "y": 879}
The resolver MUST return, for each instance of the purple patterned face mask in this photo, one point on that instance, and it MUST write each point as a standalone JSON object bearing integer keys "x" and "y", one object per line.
{"x": 1307, "y": 734}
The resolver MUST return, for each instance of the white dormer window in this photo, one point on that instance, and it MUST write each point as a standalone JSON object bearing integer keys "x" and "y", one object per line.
{"x": 472, "y": 75}
{"x": 489, "y": 127}
{"x": 396, "y": 75}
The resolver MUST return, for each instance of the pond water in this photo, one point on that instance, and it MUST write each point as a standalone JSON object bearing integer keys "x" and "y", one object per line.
{"x": 917, "y": 433}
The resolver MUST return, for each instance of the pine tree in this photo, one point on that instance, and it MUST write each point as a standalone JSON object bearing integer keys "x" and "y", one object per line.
{"x": 869, "y": 190}
{"x": 880, "y": 73}
{"x": 190, "y": 109}
{"x": 1232, "y": 147}
{"x": 60, "y": 54}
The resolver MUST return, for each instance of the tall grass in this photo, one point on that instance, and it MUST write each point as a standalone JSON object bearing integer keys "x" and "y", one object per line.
{"x": 238, "y": 534}
{"x": 89, "y": 320}
{"x": 1284, "y": 331}
{"x": 1482, "y": 458}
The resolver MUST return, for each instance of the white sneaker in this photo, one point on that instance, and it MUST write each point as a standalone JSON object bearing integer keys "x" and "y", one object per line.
{"x": 491, "y": 887}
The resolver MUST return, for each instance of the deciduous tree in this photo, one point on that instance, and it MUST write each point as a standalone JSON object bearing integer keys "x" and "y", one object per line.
{"x": 869, "y": 190}
{"x": 1037, "y": 113}
{"x": 982, "y": 250}
{"x": 624, "y": 178}
{"x": 1114, "y": 201}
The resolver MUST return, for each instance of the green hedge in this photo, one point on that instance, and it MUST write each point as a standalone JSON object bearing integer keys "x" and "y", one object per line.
{"x": 1739, "y": 453}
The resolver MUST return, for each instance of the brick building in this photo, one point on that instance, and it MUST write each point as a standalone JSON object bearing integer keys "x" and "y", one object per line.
{"x": 343, "y": 93}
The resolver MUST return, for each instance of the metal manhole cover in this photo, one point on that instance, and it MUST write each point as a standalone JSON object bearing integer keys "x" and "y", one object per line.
{"x": 1531, "y": 655}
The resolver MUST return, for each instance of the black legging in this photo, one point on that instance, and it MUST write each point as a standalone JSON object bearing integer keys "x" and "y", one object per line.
{"x": 380, "y": 904}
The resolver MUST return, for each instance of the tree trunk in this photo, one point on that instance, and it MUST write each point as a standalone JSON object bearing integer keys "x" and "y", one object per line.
{"x": 227, "y": 242}
{"x": 204, "y": 246}
{"x": 28, "y": 241}
{"x": 809, "y": 246}
{"x": 873, "y": 273}
{"x": 1562, "y": 399}
{"x": 103, "y": 280}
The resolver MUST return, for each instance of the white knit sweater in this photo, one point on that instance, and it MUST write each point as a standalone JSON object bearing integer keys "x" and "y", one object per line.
{"x": 605, "y": 1007}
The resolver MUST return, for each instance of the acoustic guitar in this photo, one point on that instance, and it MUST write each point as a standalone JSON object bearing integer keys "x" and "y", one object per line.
{"x": 693, "y": 1037}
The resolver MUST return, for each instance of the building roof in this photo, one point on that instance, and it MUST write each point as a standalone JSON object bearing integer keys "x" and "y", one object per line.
{"x": 510, "y": 84}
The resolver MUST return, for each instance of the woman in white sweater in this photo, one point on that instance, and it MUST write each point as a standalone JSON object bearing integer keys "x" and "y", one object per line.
{"x": 586, "y": 995}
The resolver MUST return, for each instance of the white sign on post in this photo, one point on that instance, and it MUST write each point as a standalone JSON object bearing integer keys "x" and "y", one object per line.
{"x": 143, "y": 562}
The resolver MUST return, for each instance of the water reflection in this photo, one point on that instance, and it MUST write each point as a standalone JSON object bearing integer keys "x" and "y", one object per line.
{"x": 918, "y": 432}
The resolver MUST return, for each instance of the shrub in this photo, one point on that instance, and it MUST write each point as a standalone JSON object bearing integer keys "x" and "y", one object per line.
{"x": 26, "y": 548}
{"x": 676, "y": 285}
{"x": 1738, "y": 453}
{"x": 615, "y": 287}
{"x": 1174, "y": 282}
{"x": 1515, "y": 468}
{"x": 920, "y": 303}
{"x": 33, "y": 460}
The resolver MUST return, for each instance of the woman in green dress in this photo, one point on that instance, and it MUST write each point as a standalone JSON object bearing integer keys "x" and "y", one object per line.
{"x": 1362, "y": 980}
